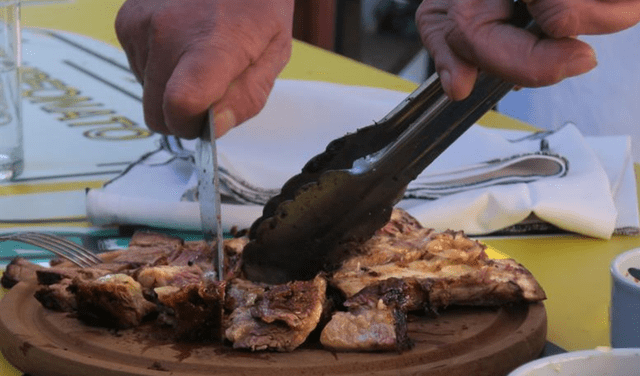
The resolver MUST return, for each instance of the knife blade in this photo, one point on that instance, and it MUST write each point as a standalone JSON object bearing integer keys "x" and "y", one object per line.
{"x": 209, "y": 195}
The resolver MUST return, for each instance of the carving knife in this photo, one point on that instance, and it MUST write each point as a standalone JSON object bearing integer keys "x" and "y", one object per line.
{"x": 209, "y": 195}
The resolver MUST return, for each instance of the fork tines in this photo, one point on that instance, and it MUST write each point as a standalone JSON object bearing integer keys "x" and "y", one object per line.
{"x": 59, "y": 245}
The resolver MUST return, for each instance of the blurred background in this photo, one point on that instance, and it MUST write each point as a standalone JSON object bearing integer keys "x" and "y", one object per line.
{"x": 381, "y": 33}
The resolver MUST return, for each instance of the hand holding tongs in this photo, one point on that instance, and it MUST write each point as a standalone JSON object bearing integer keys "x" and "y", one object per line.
{"x": 348, "y": 192}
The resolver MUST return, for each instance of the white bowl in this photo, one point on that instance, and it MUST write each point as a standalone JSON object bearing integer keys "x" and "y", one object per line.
{"x": 625, "y": 301}
{"x": 598, "y": 362}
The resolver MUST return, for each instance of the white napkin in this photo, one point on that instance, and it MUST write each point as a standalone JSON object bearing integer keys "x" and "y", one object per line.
{"x": 488, "y": 180}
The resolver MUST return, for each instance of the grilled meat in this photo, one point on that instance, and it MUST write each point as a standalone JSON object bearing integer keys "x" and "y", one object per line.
{"x": 193, "y": 311}
{"x": 367, "y": 328}
{"x": 114, "y": 300}
{"x": 453, "y": 268}
{"x": 19, "y": 269}
{"x": 168, "y": 275}
{"x": 280, "y": 317}
{"x": 404, "y": 268}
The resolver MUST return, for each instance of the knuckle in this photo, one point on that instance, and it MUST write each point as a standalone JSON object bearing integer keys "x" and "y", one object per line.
{"x": 154, "y": 120}
{"x": 542, "y": 77}
{"x": 161, "y": 26}
{"x": 463, "y": 18}
{"x": 257, "y": 97}
{"x": 559, "y": 21}
{"x": 466, "y": 32}
{"x": 124, "y": 27}
{"x": 120, "y": 26}
{"x": 183, "y": 98}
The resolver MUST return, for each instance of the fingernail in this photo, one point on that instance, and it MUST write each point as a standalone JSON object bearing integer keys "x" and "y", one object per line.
{"x": 581, "y": 63}
{"x": 224, "y": 122}
{"x": 445, "y": 80}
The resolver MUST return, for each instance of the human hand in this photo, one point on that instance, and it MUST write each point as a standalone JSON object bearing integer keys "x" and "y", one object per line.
{"x": 464, "y": 36}
{"x": 193, "y": 54}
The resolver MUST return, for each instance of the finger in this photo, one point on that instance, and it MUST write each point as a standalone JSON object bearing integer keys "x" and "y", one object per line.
{"x": 130, "y": 26}
{"x": 248, "y": 94}
{"x": 237, "y": 84}
{"x": 236, "y": 100}
{"x": 456, "y": 75}
{"x": 187, "y": 71}
{"x": 201, "y": 77}
{"x": 568, "y": 18}
{"x": 514, "y": 54}
{"x": 137, "y": 58}
{"x": 159, "y": 66}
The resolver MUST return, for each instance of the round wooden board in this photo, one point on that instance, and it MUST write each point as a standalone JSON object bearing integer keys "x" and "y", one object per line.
{"x": 462, "y": 341}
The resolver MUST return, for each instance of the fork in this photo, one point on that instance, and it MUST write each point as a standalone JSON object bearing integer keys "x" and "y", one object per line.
{"x": 59, "y": 245}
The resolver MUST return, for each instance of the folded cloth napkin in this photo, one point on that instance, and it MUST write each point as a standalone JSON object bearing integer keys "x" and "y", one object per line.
{"x": 488, "y": 180}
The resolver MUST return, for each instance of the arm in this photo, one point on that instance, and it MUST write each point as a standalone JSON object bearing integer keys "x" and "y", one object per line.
{"x": 463, "y": 36}
{"x": 193, "y": 54}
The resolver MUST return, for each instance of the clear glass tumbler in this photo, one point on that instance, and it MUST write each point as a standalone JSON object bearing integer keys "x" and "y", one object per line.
{"x": 11, "y": 145}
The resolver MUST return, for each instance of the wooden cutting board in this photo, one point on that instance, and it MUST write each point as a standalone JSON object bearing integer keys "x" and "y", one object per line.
{"x": 461, "y": 341}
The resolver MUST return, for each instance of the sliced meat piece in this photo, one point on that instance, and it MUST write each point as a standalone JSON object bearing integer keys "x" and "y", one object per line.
{"x": 154, "y": 239}
{"x": 194, "y": 311}
{"x": 55, "y": 292}
{"x": 112, "y": 301}
{"x": 293, "y": 303}
{"x": 233, "y": 256}
{"x": 498, "y": 282}
{"x": 242, "y": 293}
{"x": 168, "y": 275}
{"x": 406, "y": 294}
{"x": 136, "y": 256}
{"x": 51, "y": 276}
{"x": 437, "y": 248}
{"x": 18, "y": 270}
{"x": 57, "y": 296}
{"x": 281, "y": 319}
{"x": 400, "y": 222}
{"x": 493, "y": 282}
{"x": 402, "y": 234}
{"x": 248, "y": 332}
{"x": 379, "y": 328}
{"x": 377, "y": 318}
{"x": 429, "y": 256}
{"x": 191, "y": 253}
{"x": 145, "y": 248}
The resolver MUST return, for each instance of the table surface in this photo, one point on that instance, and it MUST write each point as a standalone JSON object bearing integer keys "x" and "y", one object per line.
{"x": 574, "y": 270}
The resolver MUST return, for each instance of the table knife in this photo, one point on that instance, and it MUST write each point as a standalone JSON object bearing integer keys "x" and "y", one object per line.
{"x": 209, "y": 195}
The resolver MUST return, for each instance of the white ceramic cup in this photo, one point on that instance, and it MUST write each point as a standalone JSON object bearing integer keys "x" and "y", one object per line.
{"x": 625, "y": 301}
{"x": 598, "y": 362}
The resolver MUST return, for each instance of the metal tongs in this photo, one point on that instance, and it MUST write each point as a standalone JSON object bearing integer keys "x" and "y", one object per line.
{"x": 347, "y": 193}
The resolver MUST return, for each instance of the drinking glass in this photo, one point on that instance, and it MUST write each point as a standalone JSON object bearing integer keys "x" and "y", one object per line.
{"x": 11, "y": 147}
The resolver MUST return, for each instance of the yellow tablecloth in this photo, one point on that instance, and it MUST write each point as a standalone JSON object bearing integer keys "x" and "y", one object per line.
{"x": 573, "y": 270}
